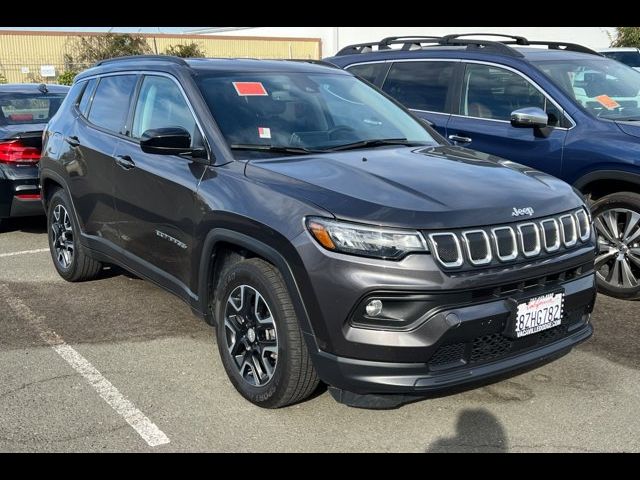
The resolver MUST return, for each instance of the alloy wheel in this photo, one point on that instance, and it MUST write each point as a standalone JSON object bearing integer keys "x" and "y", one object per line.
{"x": 62, "y": 236}
{"x": 618, "y": 260}
{"x": 251, "y": 337}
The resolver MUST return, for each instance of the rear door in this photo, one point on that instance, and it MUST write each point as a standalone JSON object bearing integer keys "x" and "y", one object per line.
{"x": 427, "y": 87}
{"x": 91, "y": 143}
{"x": 488, "y": 95}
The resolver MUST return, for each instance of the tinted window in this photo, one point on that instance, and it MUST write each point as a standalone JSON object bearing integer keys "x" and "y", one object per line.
{"x": 605, "y": 88}
{"x": 110, "y": 104}
{"x": 420, "y": 85}
{"x": 628, "y": 58}
{"x": 493, "y": 93}
{"x": 28, "y": 108}
{"x": 369, "y": 71}
{"x": 161, "y": 104}
{"x": 83, "y": 105}
{"x": 298, "y": 109}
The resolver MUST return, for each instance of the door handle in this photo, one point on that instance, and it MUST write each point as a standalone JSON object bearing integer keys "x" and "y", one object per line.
{"x": 460, "y": 139}
{"x": 73, "y": 141}
{"x": 125, "y": 161}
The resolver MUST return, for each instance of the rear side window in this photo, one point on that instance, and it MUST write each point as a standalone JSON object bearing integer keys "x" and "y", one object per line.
{"x": 28, "y": 108}
{"x": 420, "y": 85}
{"x": 111, "y": 102}
{"x": 161, "y": 104}
{"x": 628, "y": 58}
{"x": 369, "y": 71}
{"x": 83, "y": 104}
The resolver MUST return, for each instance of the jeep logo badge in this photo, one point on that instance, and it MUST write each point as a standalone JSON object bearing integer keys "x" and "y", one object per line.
{"x": 519, "y": 212}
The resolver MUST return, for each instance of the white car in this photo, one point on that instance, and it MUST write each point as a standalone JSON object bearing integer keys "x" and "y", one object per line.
{"x": 629, "y": 56}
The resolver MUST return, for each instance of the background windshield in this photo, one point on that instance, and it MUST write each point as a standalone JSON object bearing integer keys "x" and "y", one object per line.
{"x": 606, "y": 88}
{"x": 303, "y": 110}
{"x": 23, "y": 108}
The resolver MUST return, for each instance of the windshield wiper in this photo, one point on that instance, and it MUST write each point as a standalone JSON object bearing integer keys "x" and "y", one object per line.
{"x": 373, "y": 143}
{"x": 625, "y": 119}
{"x": 272, "y": 148}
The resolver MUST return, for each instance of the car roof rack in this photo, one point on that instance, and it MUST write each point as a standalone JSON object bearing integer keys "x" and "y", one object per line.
{"x": 309, "y": 60}
{"x": 499, "y": 46}
{"x": 130, "y": 58}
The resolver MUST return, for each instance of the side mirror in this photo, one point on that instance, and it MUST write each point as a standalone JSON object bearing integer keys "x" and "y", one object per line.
{"x": 169, "y": 141}
{"x": 530, "y": 117}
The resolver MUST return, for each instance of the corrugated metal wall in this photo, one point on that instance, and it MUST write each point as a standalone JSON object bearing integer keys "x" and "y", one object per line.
{"x": 21, "y": 51}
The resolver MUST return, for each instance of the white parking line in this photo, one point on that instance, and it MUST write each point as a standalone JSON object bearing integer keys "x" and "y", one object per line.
{"x": 23, "y": 252}
{"x": 110, "y": 394}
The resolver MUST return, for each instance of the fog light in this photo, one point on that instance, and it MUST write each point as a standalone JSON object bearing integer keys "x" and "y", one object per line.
{"x": 374, "y": 308}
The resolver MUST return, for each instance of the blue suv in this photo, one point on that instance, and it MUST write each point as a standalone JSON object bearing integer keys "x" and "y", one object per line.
{"x": 563, "y": 109}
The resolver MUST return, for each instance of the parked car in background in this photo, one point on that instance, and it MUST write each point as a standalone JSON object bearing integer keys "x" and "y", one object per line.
{"x": 326, "y": 232}
{"x": 25, "y": 109}
{"x": 565, "y": 110}
{"x": 629, "y": 56}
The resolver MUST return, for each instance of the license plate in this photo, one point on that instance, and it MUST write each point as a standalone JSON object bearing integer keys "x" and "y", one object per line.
{"x": 539, "y": 313}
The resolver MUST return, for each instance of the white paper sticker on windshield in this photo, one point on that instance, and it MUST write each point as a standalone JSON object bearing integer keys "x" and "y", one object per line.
{"x": 264, "y": 132}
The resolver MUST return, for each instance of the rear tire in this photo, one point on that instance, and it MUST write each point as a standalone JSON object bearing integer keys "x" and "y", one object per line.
{"x": 260, "y": 343}
{"x": 617, "y": 221}
{"x": 70, "y": 258}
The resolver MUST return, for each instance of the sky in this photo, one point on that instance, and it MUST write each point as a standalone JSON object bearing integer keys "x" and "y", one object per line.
{"x": 173, "y": 30}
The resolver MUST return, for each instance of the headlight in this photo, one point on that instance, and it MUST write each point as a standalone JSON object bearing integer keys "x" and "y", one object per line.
{"x": 365, "y": 240}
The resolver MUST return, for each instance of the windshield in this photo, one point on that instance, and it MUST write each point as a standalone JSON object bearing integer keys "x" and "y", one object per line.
{"x": 28, "y": 108}
{"x": 305, "y": 112}
{"x": 604, "y": 87}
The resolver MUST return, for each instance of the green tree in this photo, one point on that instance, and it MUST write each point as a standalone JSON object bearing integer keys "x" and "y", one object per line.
{"x": 626, "y": 37}
{"x": 190, "y": 50}
{"x": 66, "y": 77}
{"x": 90, "y": 49}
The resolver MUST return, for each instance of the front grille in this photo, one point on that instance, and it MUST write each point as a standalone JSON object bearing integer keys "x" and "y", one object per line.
{"x": 492, "y": 246}
{"x": 489, "y": 347}
{"x": 494, "y": 346}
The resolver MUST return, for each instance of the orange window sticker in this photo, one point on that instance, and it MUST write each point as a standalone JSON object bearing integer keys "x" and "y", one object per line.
{"x": 250, "y": 89}
{"x": 264, "y": 132}
{"x": 607, "y": 102}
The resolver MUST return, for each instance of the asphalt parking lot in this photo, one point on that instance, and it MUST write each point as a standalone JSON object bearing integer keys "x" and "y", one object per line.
{"x": 119, "y": 365}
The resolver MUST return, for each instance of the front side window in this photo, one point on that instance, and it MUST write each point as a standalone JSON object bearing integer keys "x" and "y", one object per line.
{"x": 28, "y": 108}
{"x": 111, "y": 102}
{"x": 493, "y": 93}
{"x": 305, "y": 111}
{"x": 605, "y": 88}
{"x": 161, "y": 105}
{"x": 420, "y": 85}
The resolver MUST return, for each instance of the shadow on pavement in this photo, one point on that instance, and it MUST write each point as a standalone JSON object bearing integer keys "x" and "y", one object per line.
{"x": 24, "y": 224}
{"x": 477, "y": 430}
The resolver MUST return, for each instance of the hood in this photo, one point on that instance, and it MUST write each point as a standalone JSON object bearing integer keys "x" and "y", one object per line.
{"x": 430, "y": 188}
{"x": 630, "y": 128}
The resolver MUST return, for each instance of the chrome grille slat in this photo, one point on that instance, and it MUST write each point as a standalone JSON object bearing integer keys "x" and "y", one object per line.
{"x": 487, "y": 246}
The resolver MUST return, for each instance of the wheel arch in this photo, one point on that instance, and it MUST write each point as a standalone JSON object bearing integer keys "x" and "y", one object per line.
{"x": 221, "y": 241}
{"x": 597, "y": 184}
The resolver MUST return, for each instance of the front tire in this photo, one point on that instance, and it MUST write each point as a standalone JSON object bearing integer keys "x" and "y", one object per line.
{"x": 70, "y": 258}
{"x": 617, "y": 222}
{"x": 259, "y": 340}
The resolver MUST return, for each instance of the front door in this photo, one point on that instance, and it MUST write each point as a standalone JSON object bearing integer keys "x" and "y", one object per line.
{"x": 488, "y": 96}
{"x": 155, "y": 195}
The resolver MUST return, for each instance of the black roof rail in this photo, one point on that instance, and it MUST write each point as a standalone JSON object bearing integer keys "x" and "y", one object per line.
{"x": 572, "y": 47}
{"x": 163, "y": 58}
{"x": 499, "y": 46}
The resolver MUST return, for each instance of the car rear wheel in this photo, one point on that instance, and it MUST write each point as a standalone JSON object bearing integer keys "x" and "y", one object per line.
{"x": 617, "y": 223}
{"x": 70, "y": 258}
{"x": 259, "y": 340}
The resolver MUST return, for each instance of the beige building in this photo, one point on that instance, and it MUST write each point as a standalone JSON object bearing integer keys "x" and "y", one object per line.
{"x": 40, "y": 56}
